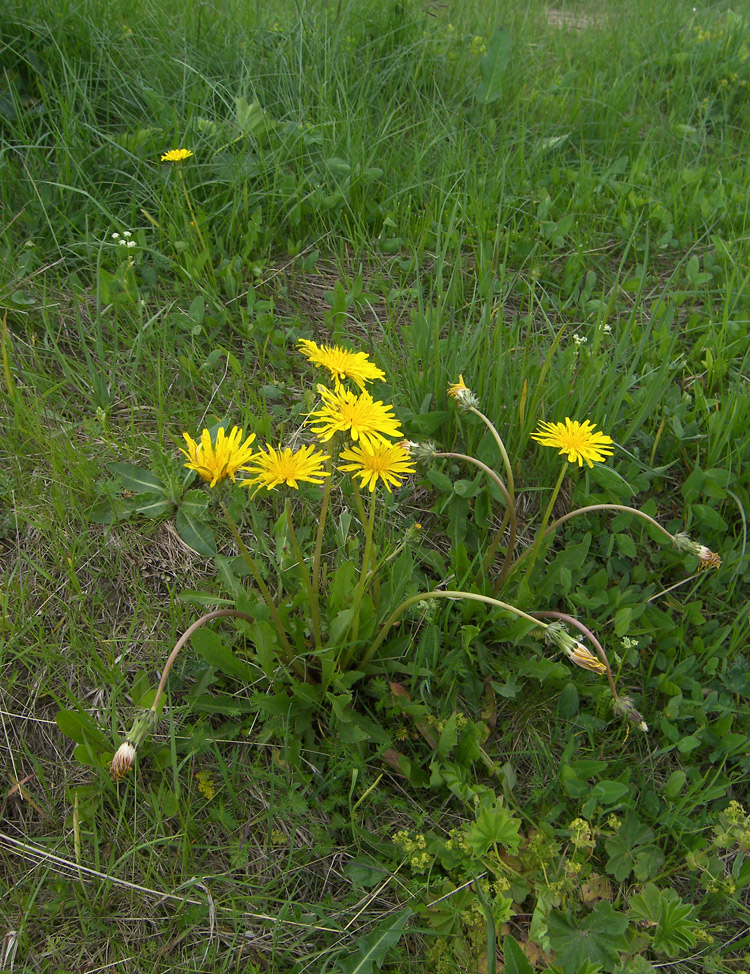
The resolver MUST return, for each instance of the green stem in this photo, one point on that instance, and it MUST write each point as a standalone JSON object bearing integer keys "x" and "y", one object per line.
{"x": 510, "y": 511}
{"x": 442, "y": 594}
{"x": 255, "y": 572}
{"x": 358, "y": 595}
{"x": 319, "y": 536}
{"x": 545, "y": 519}
{"x": 314, "y": 606}
{"x": 501, "y": 446}
{"x": 197, "y": 227}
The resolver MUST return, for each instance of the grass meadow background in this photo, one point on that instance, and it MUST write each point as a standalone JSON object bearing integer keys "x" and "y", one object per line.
{"x": 551, "y": 200}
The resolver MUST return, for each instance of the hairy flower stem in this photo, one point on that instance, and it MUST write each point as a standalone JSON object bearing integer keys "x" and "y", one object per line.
{"x": 610, "y": 507}
{"x": 306, "y": 581}
{"x": 208, "y": 617}
{"x": 255, "y": 572}
{"x": 441, "y": 594}
{"x": 501, "y": 446}
{"x": 564, "y": 617}
{"x": 510, "y": 513}
{"x": 598, "y": 507}
{"x": 319, "y": 535}
{"x": 542, "y": 530}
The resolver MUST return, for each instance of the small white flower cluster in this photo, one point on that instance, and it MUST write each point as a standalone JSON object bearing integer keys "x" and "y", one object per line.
{"x": 580, "y": 340}
{"x": 607, "y": 329}
{"x": 125, "y": 240}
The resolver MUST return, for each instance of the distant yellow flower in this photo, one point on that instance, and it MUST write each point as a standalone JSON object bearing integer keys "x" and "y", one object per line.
{"x": 176, "y": 155}
{"x": 341, "y": 363}
{"x": 216, "y": 461}
{"x": 579, "y": 441}
{"x": 362, "y": 417}
{"x": 283, "y": 466}
{"x": 382, "y": 461}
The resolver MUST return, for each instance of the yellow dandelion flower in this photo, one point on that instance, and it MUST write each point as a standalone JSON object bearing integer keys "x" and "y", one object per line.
{"x": 273, "y": 467}
{"x": 341, "y": 363}
{"x": 176, "y": 155}
{"x": 216, "y": 461}
{"x": 581, "y": 656}
{"x": 382, "y": 461}
{"x": 458, "y": 388}
{"x": 579, "y": 441}
{"x": 463, "y": 394}
{"x": 361, "y": 416}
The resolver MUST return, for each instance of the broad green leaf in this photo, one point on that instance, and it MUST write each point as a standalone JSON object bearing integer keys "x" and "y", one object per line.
{"x": 81, "y": 728}
{"x": 596, "y": 938}
{"x": 152, "y": 505}
{"x": 215, "y": 652}
{"x": 495, "y": 825}
{"x": 608, "y": 793}
{"x": 492, "y": 67}
{"x": 425, "y": 424}
{"x": 448, "y": 737}
{"x": 514, "y": 959}
{"x": 664, "y": 908}
{"x": 675, "y": 784}
{"x": 112, "y": 510}
{"x": 136, "y": 479}
{"x": 626, "y": 545}
{"x": 196, "y": 534}
{"x": 623, "y": 847}
{"x": 194, "y": 503}
{"x": 373, "y": 948}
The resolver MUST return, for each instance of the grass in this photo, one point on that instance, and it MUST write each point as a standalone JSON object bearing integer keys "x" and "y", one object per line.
{"x": 576, "y": 246}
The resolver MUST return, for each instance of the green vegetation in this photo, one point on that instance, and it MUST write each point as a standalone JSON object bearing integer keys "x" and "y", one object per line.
{"x": 551, "y": 202}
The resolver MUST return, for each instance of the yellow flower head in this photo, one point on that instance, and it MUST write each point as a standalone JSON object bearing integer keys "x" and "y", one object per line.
{"x": 341, "y": 363}
{"x": 463, "y": 394}
{"x": 283, "y": 466}
{"x": 579, "y": 441}
{"x": 176, "y": 155}
{"x": 581, "y": 656}
{"x": 361, "y": 416}
{"x": 381, "y": 461}
{"x": 574, "y": 649}
{"x": 216, "y": 461}
{"x": 458, "y": 388}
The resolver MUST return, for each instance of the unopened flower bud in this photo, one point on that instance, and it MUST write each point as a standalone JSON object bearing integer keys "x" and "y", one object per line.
{"x": 706, "y": 557}
{"x": 574, "y": 649}
{"x": 420, "y": 451}
{"x": 123, "y": 760}
{"x": 625, "y": 706}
